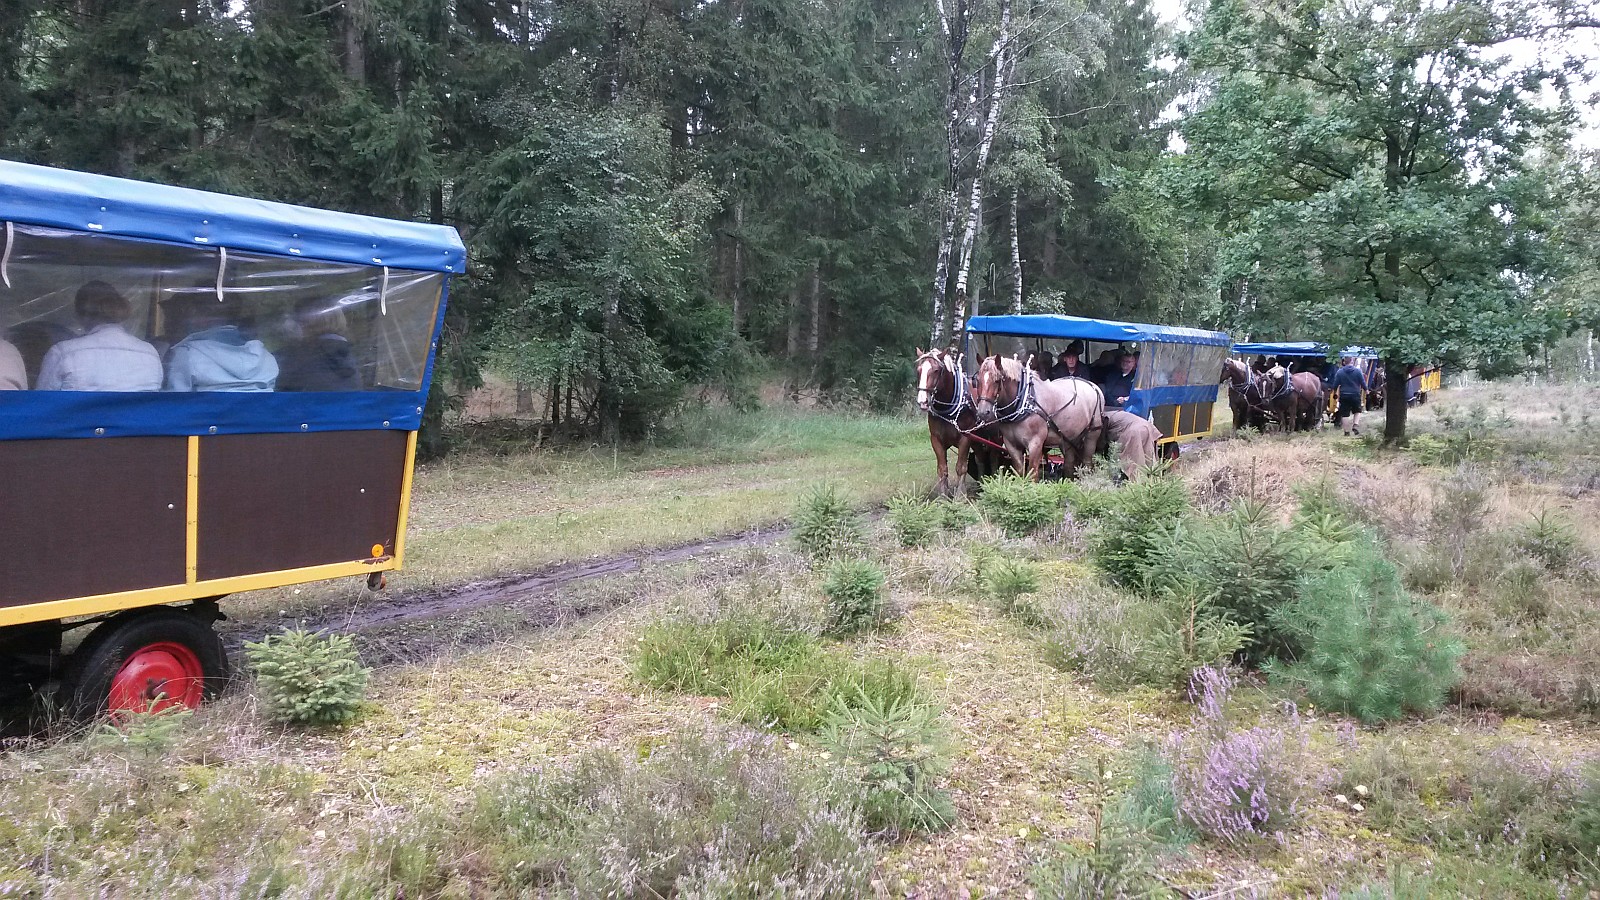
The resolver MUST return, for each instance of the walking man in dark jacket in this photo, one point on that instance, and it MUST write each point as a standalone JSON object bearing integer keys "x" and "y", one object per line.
{"x": 1352, "y": 388}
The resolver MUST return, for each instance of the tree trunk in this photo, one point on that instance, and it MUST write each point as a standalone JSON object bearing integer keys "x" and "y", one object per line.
{"x": 355, "y": 40}
{"x": 737, "y": 288}
{"x": 1052, "y": 239}
{"x": 1396, "y": 376}
{"x": 941, "y": 266}
{"x": 954, "y": 28}
{"x": 555, "y": 400}
{"x": 814, "y": 336}
{"x": 1588, "y": 346}
{"x": 791, "y": 347}
{"x": 524, "y": 398}
{"x": 1002, "y": 55}
{"x": 1016, "y": 260}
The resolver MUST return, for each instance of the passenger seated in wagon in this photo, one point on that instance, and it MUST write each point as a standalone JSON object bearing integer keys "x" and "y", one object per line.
{"x": 322, "y": 359}
{"x": 1070, "y": 364}
{"x": 219, "y": 357}
{"x": 1118, "y": 386}
{"x": 106, "y": 357}
{"x": 13, "y": 372}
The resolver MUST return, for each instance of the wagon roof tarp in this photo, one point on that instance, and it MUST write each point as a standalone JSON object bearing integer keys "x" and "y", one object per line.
{"x": 1285, "y": 348}
{"x": 1058, "y": 326}
{"x": 1302, "y": 348}
{"x": 59, "y": 198}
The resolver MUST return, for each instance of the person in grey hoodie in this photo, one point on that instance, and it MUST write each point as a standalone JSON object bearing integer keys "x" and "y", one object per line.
{"x": 219, "y": 357}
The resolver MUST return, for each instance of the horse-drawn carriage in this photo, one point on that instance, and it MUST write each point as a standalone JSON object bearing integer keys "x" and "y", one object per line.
{"x": 1174, "y": 382}
{"x": 1260, "y": 394}
{"x": 210, "y": 394}
{"x": 1053, "y": 425}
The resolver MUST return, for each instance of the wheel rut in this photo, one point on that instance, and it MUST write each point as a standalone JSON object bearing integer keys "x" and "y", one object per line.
{"x": 532, "y": 591}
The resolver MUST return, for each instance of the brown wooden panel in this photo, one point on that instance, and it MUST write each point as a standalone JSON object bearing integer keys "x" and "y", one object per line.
{"x": 90, "y": 516}
{"x": 284, "y": 501}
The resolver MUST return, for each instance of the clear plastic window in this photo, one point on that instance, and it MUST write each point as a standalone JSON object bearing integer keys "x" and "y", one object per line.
{"x": 93, "y": 312}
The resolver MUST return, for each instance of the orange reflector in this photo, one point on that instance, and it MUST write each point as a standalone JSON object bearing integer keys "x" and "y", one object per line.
{"x": 377, "y": 550}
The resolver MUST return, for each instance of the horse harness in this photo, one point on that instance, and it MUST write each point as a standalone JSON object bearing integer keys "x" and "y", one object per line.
{"x": 1026, "y": 403}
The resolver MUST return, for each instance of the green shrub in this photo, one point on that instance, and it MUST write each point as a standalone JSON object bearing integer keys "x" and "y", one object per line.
{"x": 1242, "y": 564}
{"x": 1019, "y": 506}
{"x": 1087, "y": 500}
{"x": 955, "y": 515}
{"x": 1130, "y": 531}
{"x": 141, "y": 736}
{"x": 703, "y": 816}
{"x": 1120, "y": 860}
{"x": 1368, "y": 648}
{"x": 1550, "y": 540}
{"x": 1006, "y": 581}
{"x": 826, "y": 525}
{"x": 1118, "y": 639}
{"x": 309, "y": 679}
{"x": 914, "y": 521}
{"x": 854, "y": 588}
{"x": 897, "y": 751}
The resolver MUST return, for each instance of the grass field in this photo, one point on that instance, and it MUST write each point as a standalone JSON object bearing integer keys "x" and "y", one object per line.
{"x": 482, "y": 513}
{"x": 484, "y": 773}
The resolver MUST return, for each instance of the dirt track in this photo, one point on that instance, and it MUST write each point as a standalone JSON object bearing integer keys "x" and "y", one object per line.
{"x": 533, "y": 595}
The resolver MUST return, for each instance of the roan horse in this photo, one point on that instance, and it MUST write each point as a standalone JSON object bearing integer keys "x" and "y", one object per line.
{"x": 1032, "y": 413}
{"x": 952, "y": 422}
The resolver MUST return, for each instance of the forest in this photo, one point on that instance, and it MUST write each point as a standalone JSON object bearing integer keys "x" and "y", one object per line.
{"x": 665, "y": 199}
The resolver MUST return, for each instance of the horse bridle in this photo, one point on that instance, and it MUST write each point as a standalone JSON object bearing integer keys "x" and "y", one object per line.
{"x": 1023, "y": 403}
{"x": 947, "y": 410}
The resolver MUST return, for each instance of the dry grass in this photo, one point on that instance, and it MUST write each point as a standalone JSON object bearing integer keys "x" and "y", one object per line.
{"x": 235, "y": 808}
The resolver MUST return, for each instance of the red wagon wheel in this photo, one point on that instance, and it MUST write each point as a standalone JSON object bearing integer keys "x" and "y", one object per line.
{"x": 146, "y": 661}
{"x": 156, "y": 677}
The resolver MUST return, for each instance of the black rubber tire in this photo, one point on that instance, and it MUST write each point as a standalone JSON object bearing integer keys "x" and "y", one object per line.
{"x": 103, "y": 652}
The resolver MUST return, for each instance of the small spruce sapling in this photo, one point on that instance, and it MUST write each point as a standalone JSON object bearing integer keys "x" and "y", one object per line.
{"x": 309, "y": 679}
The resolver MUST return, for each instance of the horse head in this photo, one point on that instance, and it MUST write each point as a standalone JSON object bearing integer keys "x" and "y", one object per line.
{"x": 1235, "y": 373}
{"x": 996, "y": 386}
{"x": 930, "y": 367}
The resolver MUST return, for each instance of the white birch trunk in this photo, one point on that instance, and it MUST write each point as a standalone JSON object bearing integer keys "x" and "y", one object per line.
{"x": 954, "y": 29}
{"x": 1016, "y": 259}
{"x": 1003, "y": 56}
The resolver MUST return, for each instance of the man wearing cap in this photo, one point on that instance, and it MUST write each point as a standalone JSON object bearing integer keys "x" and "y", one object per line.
{"x": 1118, "y": 385}
{"x": 1071, "y": 363}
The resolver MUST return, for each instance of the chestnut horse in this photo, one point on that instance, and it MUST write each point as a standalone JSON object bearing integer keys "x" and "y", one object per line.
{"x": 1068, "y": 413}
{"x": 1244, "y": 395}
{"x": 1296, "y": 401}
{"x": 952, "y": 422}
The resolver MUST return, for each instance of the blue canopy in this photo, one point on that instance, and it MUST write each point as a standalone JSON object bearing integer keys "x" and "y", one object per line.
{"x": 99, "y": 203}
{"x": 1068, "y": 327}
{"x": 1285, "y": 348}
{"x": 1302, "y": 348}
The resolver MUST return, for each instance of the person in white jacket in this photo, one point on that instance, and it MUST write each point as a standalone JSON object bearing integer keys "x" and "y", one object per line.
{"x": 105, "y": 357}
{"x": 219, "y": 357}
{"x": 13, "y": 372}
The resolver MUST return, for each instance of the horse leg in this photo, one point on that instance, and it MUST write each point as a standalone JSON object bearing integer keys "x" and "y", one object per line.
{"x": 963, "y": 462}
{"x": 939, "y": 448}
{"x": 1035, "y": 457}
